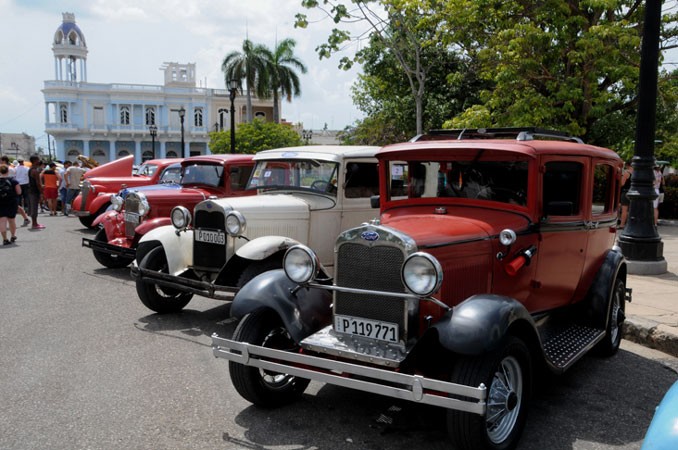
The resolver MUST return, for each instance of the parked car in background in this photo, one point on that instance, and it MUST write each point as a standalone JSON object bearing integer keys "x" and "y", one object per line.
{"x": 662, "y": 433}
{"x": 305, "y": 195}
{"x": 136, "y": 211}
{"x": 494, "y": 257}
{"x": 101, "y": 182}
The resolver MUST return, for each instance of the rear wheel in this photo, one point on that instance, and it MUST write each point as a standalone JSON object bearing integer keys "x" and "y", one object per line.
{"x": 106, "y": 259}
{"x": 263, "y": 387}
{"x": 615, "y": 321}
{"x": 507, "y": 374}
{"x": 159, "y": 299}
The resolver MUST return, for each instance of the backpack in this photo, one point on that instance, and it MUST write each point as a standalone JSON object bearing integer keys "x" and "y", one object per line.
{"x": 6, "y": 191}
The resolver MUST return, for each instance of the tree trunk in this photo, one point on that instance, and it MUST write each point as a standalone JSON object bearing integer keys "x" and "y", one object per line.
{"x": 276, "y": 109}
{"x": 249, "y": 105}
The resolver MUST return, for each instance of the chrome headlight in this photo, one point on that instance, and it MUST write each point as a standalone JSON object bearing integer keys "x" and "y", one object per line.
{"x": 235, "y": 224}
{"x": 144, "y": 208}
{"x": 117, "y": 202}
{"x": 300, "y": 264}
{"x": 180, "y": 217}
{"x": 422, "y": 274}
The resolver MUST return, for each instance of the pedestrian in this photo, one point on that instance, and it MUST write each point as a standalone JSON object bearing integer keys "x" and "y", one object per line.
{"x": 63, "y": 189}
{"x": 35, "y": 193}
{"x": 658, "y": 185}
{"x": 12, "y": 174}
{"x": 50, "y": 180}
{"x": 22, "y": 177}
{"x": 9, "y": 193}
{"x": 73, "y": 176}
{"x": 626, "y": 184}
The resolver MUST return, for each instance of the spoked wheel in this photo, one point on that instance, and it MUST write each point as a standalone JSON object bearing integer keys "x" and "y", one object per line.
{"x": 263, "y": 387}
{"x": 106, "y": 259}
{"x": 507, "y": 374}
{"x": 615, "y": 321}
{"x": 159, "y": 299}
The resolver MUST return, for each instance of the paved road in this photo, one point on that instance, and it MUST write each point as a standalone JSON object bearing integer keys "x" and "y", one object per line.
{"x": 83, "y": 364}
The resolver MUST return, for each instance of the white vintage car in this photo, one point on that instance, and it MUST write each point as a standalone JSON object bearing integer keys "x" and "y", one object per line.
{"x": 306, "y": 195}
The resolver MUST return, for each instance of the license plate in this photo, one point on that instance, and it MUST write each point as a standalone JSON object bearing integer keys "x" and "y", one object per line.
{"x": 384, "y": 331}
{"x": 131, "y": 217}
{"x": 210, "y": 237}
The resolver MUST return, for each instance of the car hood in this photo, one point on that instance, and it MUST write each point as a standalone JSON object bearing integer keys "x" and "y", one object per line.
{"x": 270, "y": 206}
{"x": 165, "y": 187}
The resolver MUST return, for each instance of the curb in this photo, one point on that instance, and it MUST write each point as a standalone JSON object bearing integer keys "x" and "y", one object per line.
{"x": 651, "y": 334}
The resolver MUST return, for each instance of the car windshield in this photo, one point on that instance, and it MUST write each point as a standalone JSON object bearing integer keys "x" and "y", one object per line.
{"x": 171, "y": 175}
{"x": 313, "y": 175}
{"x": 147, "y": 169}
{"x": 205, "y": 174}
{"x": 499, "y": 181}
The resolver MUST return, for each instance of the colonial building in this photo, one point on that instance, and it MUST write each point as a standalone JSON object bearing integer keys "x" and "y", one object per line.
{"x": 17, "y": 145}
{"x": 112, "y": 120}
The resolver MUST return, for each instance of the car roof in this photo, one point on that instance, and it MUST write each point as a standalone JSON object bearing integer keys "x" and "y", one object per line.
{"x": 219, "y": 158}
{"x": 323, "y": 152}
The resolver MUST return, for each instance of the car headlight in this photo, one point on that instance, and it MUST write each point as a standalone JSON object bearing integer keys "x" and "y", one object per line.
{"x": 117, "y": 202}
{"x": 180, "y": 217}
{"x": 300, "y": 264}
{"x": 235, "y": 223}
{"x": 422, "y": 274}
{"x": 144, "y": 208}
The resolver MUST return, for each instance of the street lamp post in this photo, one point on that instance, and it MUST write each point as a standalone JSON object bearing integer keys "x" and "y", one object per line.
{"x": 154, "y": 132}
{"x": 232, "y": 91}
{"x": 182, "y": 113}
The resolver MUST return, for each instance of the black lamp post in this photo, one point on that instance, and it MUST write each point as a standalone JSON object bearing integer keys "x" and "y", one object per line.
{"x": 182, "y": 113}
{"x": 154, "y": 132}
{"x": 232, "y": 91}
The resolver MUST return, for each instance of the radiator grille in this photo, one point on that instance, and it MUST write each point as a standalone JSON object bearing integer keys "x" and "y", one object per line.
{"x": 131, "y": 208}
{"x": 209, "y": 255}
{"x": 374, "y": 268}
{"x": 84, "y": 192}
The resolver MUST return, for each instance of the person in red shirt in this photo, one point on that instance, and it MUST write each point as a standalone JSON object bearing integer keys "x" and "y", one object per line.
{"x": 50, "y": 180}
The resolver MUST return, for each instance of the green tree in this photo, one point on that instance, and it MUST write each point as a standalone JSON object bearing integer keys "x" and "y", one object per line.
{"x": 254, "y": 137}
{"x": 282, "y": 78}
{"x": 250, "y": 65}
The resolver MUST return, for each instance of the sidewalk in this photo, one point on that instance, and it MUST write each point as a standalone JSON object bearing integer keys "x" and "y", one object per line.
{"x": 652, "y": 316}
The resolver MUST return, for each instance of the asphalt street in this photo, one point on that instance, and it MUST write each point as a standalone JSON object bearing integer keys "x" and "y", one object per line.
{"x": 84, "y": 365}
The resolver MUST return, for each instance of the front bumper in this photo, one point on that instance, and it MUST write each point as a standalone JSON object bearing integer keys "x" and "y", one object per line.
{"x": 79, "y": 213}
{"x": 183, "y": 284}
{"x": 414, "y": 388}
{"x": 105, "y": 247}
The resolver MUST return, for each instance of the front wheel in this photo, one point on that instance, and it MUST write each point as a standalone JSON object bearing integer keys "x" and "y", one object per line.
{"x": 615, "y": 321}
{"x": 263, "y": 387}
{"x": 106, "y": 259}
{"x": 507, "y": 374}
{"x": 159, "y": 299}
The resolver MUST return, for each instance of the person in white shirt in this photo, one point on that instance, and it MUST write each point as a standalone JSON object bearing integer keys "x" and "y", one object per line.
{"x": 63, "y": 188}
{"x": 22, "y": 178}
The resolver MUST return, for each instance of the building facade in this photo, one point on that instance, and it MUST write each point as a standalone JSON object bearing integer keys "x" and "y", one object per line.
{"x": 17, "y": 145}
{"x": 108, "y": 121}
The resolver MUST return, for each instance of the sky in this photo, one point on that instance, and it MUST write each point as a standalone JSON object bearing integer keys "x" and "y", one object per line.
{"x": 129, "y": 40}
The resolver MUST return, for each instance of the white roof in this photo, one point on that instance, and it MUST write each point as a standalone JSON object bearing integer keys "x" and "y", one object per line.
{"x": 323, "y": 152}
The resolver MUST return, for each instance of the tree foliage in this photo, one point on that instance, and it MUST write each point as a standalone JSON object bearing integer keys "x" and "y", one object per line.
{"x": 283, "y": 80}
{"x": 254, "y": 137}
{"x": 252, "y": 66}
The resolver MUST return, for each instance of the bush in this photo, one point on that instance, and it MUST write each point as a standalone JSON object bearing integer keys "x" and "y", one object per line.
{"x": 254, "y": 137}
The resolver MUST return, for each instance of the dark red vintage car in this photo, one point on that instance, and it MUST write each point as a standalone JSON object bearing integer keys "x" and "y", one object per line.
{"x": 494, "y": 258}
{"x": 101, "y": 182}
{"x": 137, "y": 211}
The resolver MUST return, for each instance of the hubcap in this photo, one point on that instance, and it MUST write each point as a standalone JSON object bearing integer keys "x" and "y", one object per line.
{"x": 504, "y": 400}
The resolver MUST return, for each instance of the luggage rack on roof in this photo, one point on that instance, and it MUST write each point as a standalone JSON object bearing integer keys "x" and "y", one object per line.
{"x": 517, "y": 133}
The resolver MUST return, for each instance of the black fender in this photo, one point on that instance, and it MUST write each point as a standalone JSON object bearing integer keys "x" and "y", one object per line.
{"x": 600, "y": 292}
{"x": 480, "y": 323}
{"x": 144, "y": 248}
{"x": 303, "y": 310}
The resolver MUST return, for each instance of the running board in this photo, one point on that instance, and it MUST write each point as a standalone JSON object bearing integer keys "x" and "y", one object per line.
{"x": 568, "y": 344}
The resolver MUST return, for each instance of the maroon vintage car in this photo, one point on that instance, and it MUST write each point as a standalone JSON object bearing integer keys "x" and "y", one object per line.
{"x": 493, "y": 259}
{"x": 137, "y": 211}
{"x": 102, "y": 181}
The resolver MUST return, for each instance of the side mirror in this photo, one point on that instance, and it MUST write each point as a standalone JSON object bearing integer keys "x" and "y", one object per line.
{"x": 374, "y": 201}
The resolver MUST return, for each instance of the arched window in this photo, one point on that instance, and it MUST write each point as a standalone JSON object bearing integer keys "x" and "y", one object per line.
{"x": 171, "y": 154}
{"x": 150, "y": 115}
{"x": 72, "y": 154}
{"x": 197, "y": 117}
{"x": 99, "y": 156}
{"x": 260, "y": 115}
{"x": 63, "y": 113}
{"x": 145, "y": 156}
{"x": 124, "y": 115}
{"x": 123, "y": 153}
{"x": 223, "y": 118}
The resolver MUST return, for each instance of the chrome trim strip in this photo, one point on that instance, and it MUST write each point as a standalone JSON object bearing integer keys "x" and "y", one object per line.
{"x": 411, "y": 387}
{"x": 404, "y": 295}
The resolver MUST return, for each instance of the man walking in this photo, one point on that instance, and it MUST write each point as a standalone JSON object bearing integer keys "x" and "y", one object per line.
{"x": 73, "y": 176}
{"x": 35, "y": 191}
{"x": 63, "y": 188}
{"x": 22, "y": 178}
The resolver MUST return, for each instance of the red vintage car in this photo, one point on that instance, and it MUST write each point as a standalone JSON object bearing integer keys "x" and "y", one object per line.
{"x": 103, "y": 181}
{"x": 149, "y": 207}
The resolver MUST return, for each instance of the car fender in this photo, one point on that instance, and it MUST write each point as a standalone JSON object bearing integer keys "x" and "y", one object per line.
{"x": 152, "y": 224}
{"x": 99, "y": 202}
{"x": 178, "y": 247}
{"x": 614, "y": 266}
{"x": 480, "y": 323}
{"x": 303, "y": 311}
{"x": 263, "y": 247}
{"x": 109, "y": 220}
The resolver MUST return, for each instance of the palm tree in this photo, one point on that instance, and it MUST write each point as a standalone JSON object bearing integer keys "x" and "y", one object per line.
{"x": 283, "y": 80}
{"x": 250, "y": 65}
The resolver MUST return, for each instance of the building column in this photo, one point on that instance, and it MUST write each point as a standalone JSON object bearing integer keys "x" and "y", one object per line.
{"x": 163, "y": 150}
{"x": 85, "y": 148}
{"x": 137, "y": 152}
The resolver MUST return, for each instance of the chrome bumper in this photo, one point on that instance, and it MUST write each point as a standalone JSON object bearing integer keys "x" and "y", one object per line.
{"x": 414, "y": 388}
{"x": 202, "y": 288}
{"x": 79, "y": 213}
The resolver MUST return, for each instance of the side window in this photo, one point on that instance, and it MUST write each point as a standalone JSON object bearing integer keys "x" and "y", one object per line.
{"x": 562, "y": 188}
{"x": 362, "y": 180}
{"x": 239, "y": 177}
{"x": 603, "y": 189}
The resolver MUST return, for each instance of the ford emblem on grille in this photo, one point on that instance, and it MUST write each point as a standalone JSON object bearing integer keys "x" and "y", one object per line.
{"x": 369, "y": 235}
